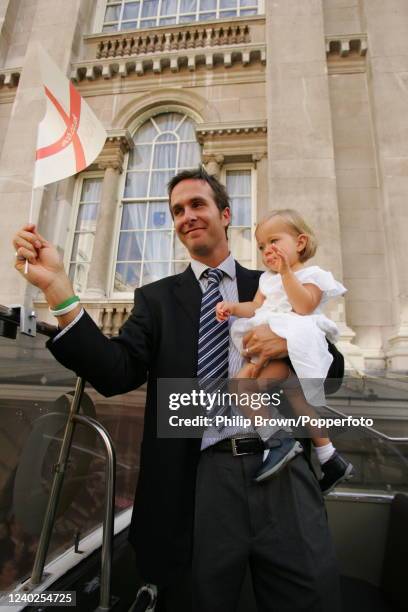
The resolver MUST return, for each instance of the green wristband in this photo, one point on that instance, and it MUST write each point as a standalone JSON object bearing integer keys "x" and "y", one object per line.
{"x": 68, "y": 302}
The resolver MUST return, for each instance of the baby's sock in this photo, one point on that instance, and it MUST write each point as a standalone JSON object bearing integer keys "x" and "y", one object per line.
{"x": 324, "y": 452}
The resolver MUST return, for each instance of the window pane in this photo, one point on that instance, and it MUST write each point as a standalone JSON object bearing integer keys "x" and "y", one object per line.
{"x": 248, "y": 2}
{"x": 187, "y": 18}
{"x": 157, "y": 245}
{"x": 129, "y": 25}
{"x": 110, "y": 28}
{"x": 189, "y": 155}
{"x": 140, "y": 157}
{"x": 164, "y": 156}
{"x": 91, "y": 190}
{"x": 158, "y": 184}
{"x": 112, "y": 13}
{"x": 82, "y": 248}
{"x": 187, "y": 6}
{"x": 130, "y": 246}
{"x": 154, "y": 271}
{"x": 127, "y": 276}
{"x": 86, "y": 219}
{"x": 136, "y": 184}
{"x": 241, "y": 211}
{"x": 78, "y": 273}
{"x": 167, "y": 121}
{"x": 186, "y": 130}
{"x": 159, "y": 216}
{"x": 149, "y": 8}
{"x": 240, "y": 241}
{"x": 225, "y": 14}
{"x": 228, "y": 4}
{"x": 167, "y": 20}
{"x": 131, "y": 10}
{"x": 249, "y": 12}
{"x": 207, "y": 16}
{"x": 134, "y": 216}
{"x": 146, "y": 133}
{"x": 207, "y": 5}
{"x": 239, "y": 182}
{"x": 168, "y": 7}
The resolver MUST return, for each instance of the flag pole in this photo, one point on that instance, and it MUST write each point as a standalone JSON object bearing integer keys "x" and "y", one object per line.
{"x": 31, "y": 213}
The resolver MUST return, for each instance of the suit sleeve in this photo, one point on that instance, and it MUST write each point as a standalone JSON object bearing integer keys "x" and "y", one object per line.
{"x": 112, "y": 366}
{"x": 335, "y": 374}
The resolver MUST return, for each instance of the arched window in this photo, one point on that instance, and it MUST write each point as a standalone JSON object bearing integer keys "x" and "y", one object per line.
{"x": 130, "y": 15}
{"x": 148, "y": 248}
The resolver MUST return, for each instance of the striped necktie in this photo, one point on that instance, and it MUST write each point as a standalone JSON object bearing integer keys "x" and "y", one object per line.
{"x": 213, "y": 336}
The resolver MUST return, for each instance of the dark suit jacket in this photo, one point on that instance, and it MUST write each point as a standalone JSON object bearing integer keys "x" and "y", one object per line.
{"x": 159, "y": 340}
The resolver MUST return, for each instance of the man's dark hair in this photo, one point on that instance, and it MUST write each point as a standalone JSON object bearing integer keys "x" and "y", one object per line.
{"x": 220, "y": 193}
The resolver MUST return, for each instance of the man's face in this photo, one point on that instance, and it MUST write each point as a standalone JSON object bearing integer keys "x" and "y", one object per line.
{"x": 198, "y": 222}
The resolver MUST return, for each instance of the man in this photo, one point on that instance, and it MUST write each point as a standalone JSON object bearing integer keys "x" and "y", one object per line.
{"x": 279, "y": 528}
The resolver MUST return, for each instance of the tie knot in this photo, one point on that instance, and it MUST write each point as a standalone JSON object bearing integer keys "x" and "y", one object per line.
{"x": 214, "y": 275}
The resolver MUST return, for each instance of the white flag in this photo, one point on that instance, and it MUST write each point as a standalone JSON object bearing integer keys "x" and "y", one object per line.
{"x": 70, "y": 137}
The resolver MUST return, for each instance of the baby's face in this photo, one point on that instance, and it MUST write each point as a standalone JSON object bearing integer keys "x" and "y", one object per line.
{"x": 276, "y": 232}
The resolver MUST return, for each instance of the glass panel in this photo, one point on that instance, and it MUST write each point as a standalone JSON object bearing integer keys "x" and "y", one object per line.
{"x": 167, "y": 121}
{"x": 140, "y": 157}
{"x": 240, "y": 242}
{"x": 167, "y": 137}
{"x": 157, "y": 246}
{"x": 225, "y": 14}
{"x": 146, "y": 133}
{"x": 249, "y": 12}
{"x": 136, "y": 184}
{"x": 82, "y": 247}
{"x": 127, "y": 276}
{"x": 228, "y": 4}
{"x": 159, "y": 216}
{"x": 190, "y": 155}
{"x": 187, "y": 18}
{"x": 187, "y": 6}
{"x": 186, "y": 130}
{"x": 208, "y": 16}
{"x": 158, "y": 184}
{"x": 154, "y": 271}
{"x": 149, "y": 8}
{"x": 110, "y": 28}
{"x": 112, "y": 13}
{"x": 167, "y": 20}
{"x": 131, "y": 10}
{"x": 206, "y": 5}
{"x": 86, "y": 219}
{"x": 164, "y": 155}
{"x": 168, "y": 7}
{"x": 248, "y": 2}
{"x": 129, "y": 25}
{"x": 134, "y": 216}
{"x": 78, "y": 273}
{"x": 239, "y": 182}
{"x": 148, "y": 23}
{"x": 130, "y": 246}
{"x": 241, "y": 211}
{"x": 91, "y": 190}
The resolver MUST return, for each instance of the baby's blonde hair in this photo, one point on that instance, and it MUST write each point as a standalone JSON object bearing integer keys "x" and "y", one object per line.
{"x": 294, "y": 220}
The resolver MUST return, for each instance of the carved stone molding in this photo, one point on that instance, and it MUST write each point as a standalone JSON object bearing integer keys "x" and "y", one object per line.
{"x": 190, "y": 37}
{"x": 213, "y": 164}
{"x": 172, "y": 61}
{"x": 117, "y": 144}
{"x": 206, "y": 131}
{"x": 346, "y": 53}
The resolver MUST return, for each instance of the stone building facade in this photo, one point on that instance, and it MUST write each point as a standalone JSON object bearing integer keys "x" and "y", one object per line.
{"x": 293, "y": 103}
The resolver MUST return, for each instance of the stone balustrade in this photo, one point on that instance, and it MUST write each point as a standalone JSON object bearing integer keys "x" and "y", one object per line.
{"x": 112, "y": 316}
{"x": 162, "y": 42}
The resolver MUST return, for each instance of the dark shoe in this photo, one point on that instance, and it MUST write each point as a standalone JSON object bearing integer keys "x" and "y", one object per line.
{"x": 285, "y": 450}
{"x": 335, "y": 470}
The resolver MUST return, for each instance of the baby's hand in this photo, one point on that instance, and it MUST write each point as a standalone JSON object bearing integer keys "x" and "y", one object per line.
{"x": 282, "y": 259}
{"x": 223, "y": 311}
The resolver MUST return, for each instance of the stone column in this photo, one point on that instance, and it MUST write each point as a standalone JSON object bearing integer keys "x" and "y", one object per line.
{"x": 301, "y": 171}
{"x": 213, "y": 164}
{"x": 387, "y": 28}
{"x": 111, "y": 161}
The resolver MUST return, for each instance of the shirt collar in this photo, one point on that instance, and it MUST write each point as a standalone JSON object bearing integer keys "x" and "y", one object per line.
{"x": 227, "y": 266}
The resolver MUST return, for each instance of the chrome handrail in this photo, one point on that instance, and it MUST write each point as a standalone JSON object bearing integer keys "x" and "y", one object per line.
{"x": 377, "y": 433}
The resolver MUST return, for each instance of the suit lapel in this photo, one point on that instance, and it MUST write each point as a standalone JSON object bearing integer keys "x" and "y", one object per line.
{"x": 247, "y": 283}
{"x": 188, "y": 293}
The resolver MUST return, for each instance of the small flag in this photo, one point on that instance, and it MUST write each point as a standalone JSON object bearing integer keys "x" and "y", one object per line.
{"x": 70, "y": 137}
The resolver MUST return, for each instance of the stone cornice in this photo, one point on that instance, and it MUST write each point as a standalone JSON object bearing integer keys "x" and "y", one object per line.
{"x": 117, "y": 144}
{"x": 174, "y": 61}
{"x": 207, "y": 131}
{"x": 346, "y": 54}
{"x": 9, "y": 77}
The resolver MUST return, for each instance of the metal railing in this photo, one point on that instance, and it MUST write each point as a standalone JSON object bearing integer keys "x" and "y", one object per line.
{"x": 19, "y": 317}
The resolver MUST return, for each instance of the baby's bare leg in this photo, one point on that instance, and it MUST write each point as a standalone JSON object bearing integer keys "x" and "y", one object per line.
{"x": 301, "y": 407}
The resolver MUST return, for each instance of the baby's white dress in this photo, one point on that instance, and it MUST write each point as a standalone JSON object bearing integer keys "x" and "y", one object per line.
{"x": 305, "y": 334}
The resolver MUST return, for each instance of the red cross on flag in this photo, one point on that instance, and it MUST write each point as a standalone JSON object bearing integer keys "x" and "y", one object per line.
{"x": 70, "y": 137}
